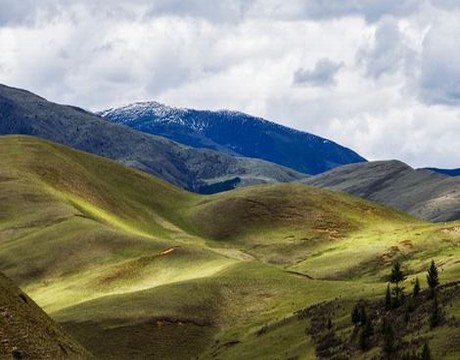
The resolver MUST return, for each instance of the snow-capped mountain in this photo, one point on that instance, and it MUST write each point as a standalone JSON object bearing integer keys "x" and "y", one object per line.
{"x": 235, "y": 133}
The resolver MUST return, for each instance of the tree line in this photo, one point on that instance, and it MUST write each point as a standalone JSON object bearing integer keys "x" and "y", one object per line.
{"x": 395, "y": 298}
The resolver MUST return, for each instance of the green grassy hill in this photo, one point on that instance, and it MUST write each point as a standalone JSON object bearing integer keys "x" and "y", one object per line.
{"x": 135, "y": 268}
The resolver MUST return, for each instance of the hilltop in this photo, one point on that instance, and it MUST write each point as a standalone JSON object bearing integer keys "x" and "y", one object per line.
{"x": 235, "y": 133}
{"x": 421, "y": 193}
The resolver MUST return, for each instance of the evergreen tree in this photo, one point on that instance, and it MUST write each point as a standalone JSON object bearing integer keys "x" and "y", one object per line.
{"x": 369, "y": 328}
{"x": 406, "y": 316}
{"x": 329, "y": 324}
{"x": 388, "y": 298}
{"x": 362, "y": 316}
{"x": 426, "y": 353}
{"x": 389, "y": 340}
{"x": 416, "y": 288}
{"x": 410, "y": 356}
{"x": 355, "y": 315}
{"x": 432, "y": 277}
{"x": 396, "y": 277}
{"x": 435, "y": 317}
{"x": 366, "y": 334}
{"x": 363, "y": 341}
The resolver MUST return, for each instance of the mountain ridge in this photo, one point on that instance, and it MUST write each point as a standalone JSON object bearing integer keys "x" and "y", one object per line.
{"x": 419, "y": 192}
{"x": 448, "y": 172}
{"x": 235, "y": 133}
{"x": 23, "y": 112}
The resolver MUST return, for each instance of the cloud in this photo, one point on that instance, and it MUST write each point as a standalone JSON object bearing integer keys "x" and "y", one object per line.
{"x": 440, "y": 66}
{"x": 29, "y": 11}
{"x": 397, "y": 96}
{"x": 446, "y": 4}
{"x": 371, "y": 10}
{"x": 391, "y": 50}
{"x": 323, "y": 74}
{"x": 12, "y": 11}
{"x": 215, "y": 11}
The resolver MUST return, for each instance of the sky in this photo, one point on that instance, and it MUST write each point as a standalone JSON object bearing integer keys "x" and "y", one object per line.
{"x": 379, "y": 76}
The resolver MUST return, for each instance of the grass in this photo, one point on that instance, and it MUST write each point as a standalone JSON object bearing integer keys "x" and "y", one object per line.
{"x": 27, "y": 332}
{"x": 133, "y": 266}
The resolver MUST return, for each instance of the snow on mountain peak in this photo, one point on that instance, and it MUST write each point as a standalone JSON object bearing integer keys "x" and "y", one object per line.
{"x": 166, "y": 114}
{"x": 132, "y": 112}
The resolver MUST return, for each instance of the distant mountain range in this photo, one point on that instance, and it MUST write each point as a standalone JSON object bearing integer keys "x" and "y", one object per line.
{"x": 235, "y": 133}
{"x": 199, "y": 170}
{"x": 448, "y": 172}
{"x": 421, "y": 193}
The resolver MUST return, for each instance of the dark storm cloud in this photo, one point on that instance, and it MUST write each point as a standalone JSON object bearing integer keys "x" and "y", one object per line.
{"x": 323, "y": 74}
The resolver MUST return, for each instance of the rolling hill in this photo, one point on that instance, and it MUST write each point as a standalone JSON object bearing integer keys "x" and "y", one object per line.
{"x": 26, "y": 332}
{"x": 237, "y": 134}
{"x": 421, "y": 193}
{"x": 134, "y": 268}
{"x": 199, "y": 170}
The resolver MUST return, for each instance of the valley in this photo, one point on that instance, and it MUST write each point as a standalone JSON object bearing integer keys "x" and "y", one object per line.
{"x": 133, "y": 267}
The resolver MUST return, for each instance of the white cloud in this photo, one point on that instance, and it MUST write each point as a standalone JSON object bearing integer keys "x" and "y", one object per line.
{"x": 440, "y": 66}
{"x": 323, "y": 74}
{"x": 394, "y": 64}
{"x": 390, "y": 51}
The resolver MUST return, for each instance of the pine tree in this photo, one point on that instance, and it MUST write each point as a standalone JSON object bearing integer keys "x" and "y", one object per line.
{"x": 329, "y": 324}
{"x": 416, "y": 288}
{"x": 426, "y": 353}
{"x": 363, "y": 343}
{"x": 355, "y": 315}
{"x": 369, "y": 328}
{"x": 363, "y": 315}
{"x": 435, "y": 317}
{"x": 432, "y": 277}
{"x": 366, "y": 334}
{"x": 388, "y": 298}
{"x": 396, "y": 277}
{"x": 406, "y": 316}
{"x": 388, "y": 340}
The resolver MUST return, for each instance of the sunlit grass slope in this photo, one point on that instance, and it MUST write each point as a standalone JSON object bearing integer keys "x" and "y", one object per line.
{"x": 283, "y": 224}
{"x": 136, "y": 268}
{"x": 72, "y": 222}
